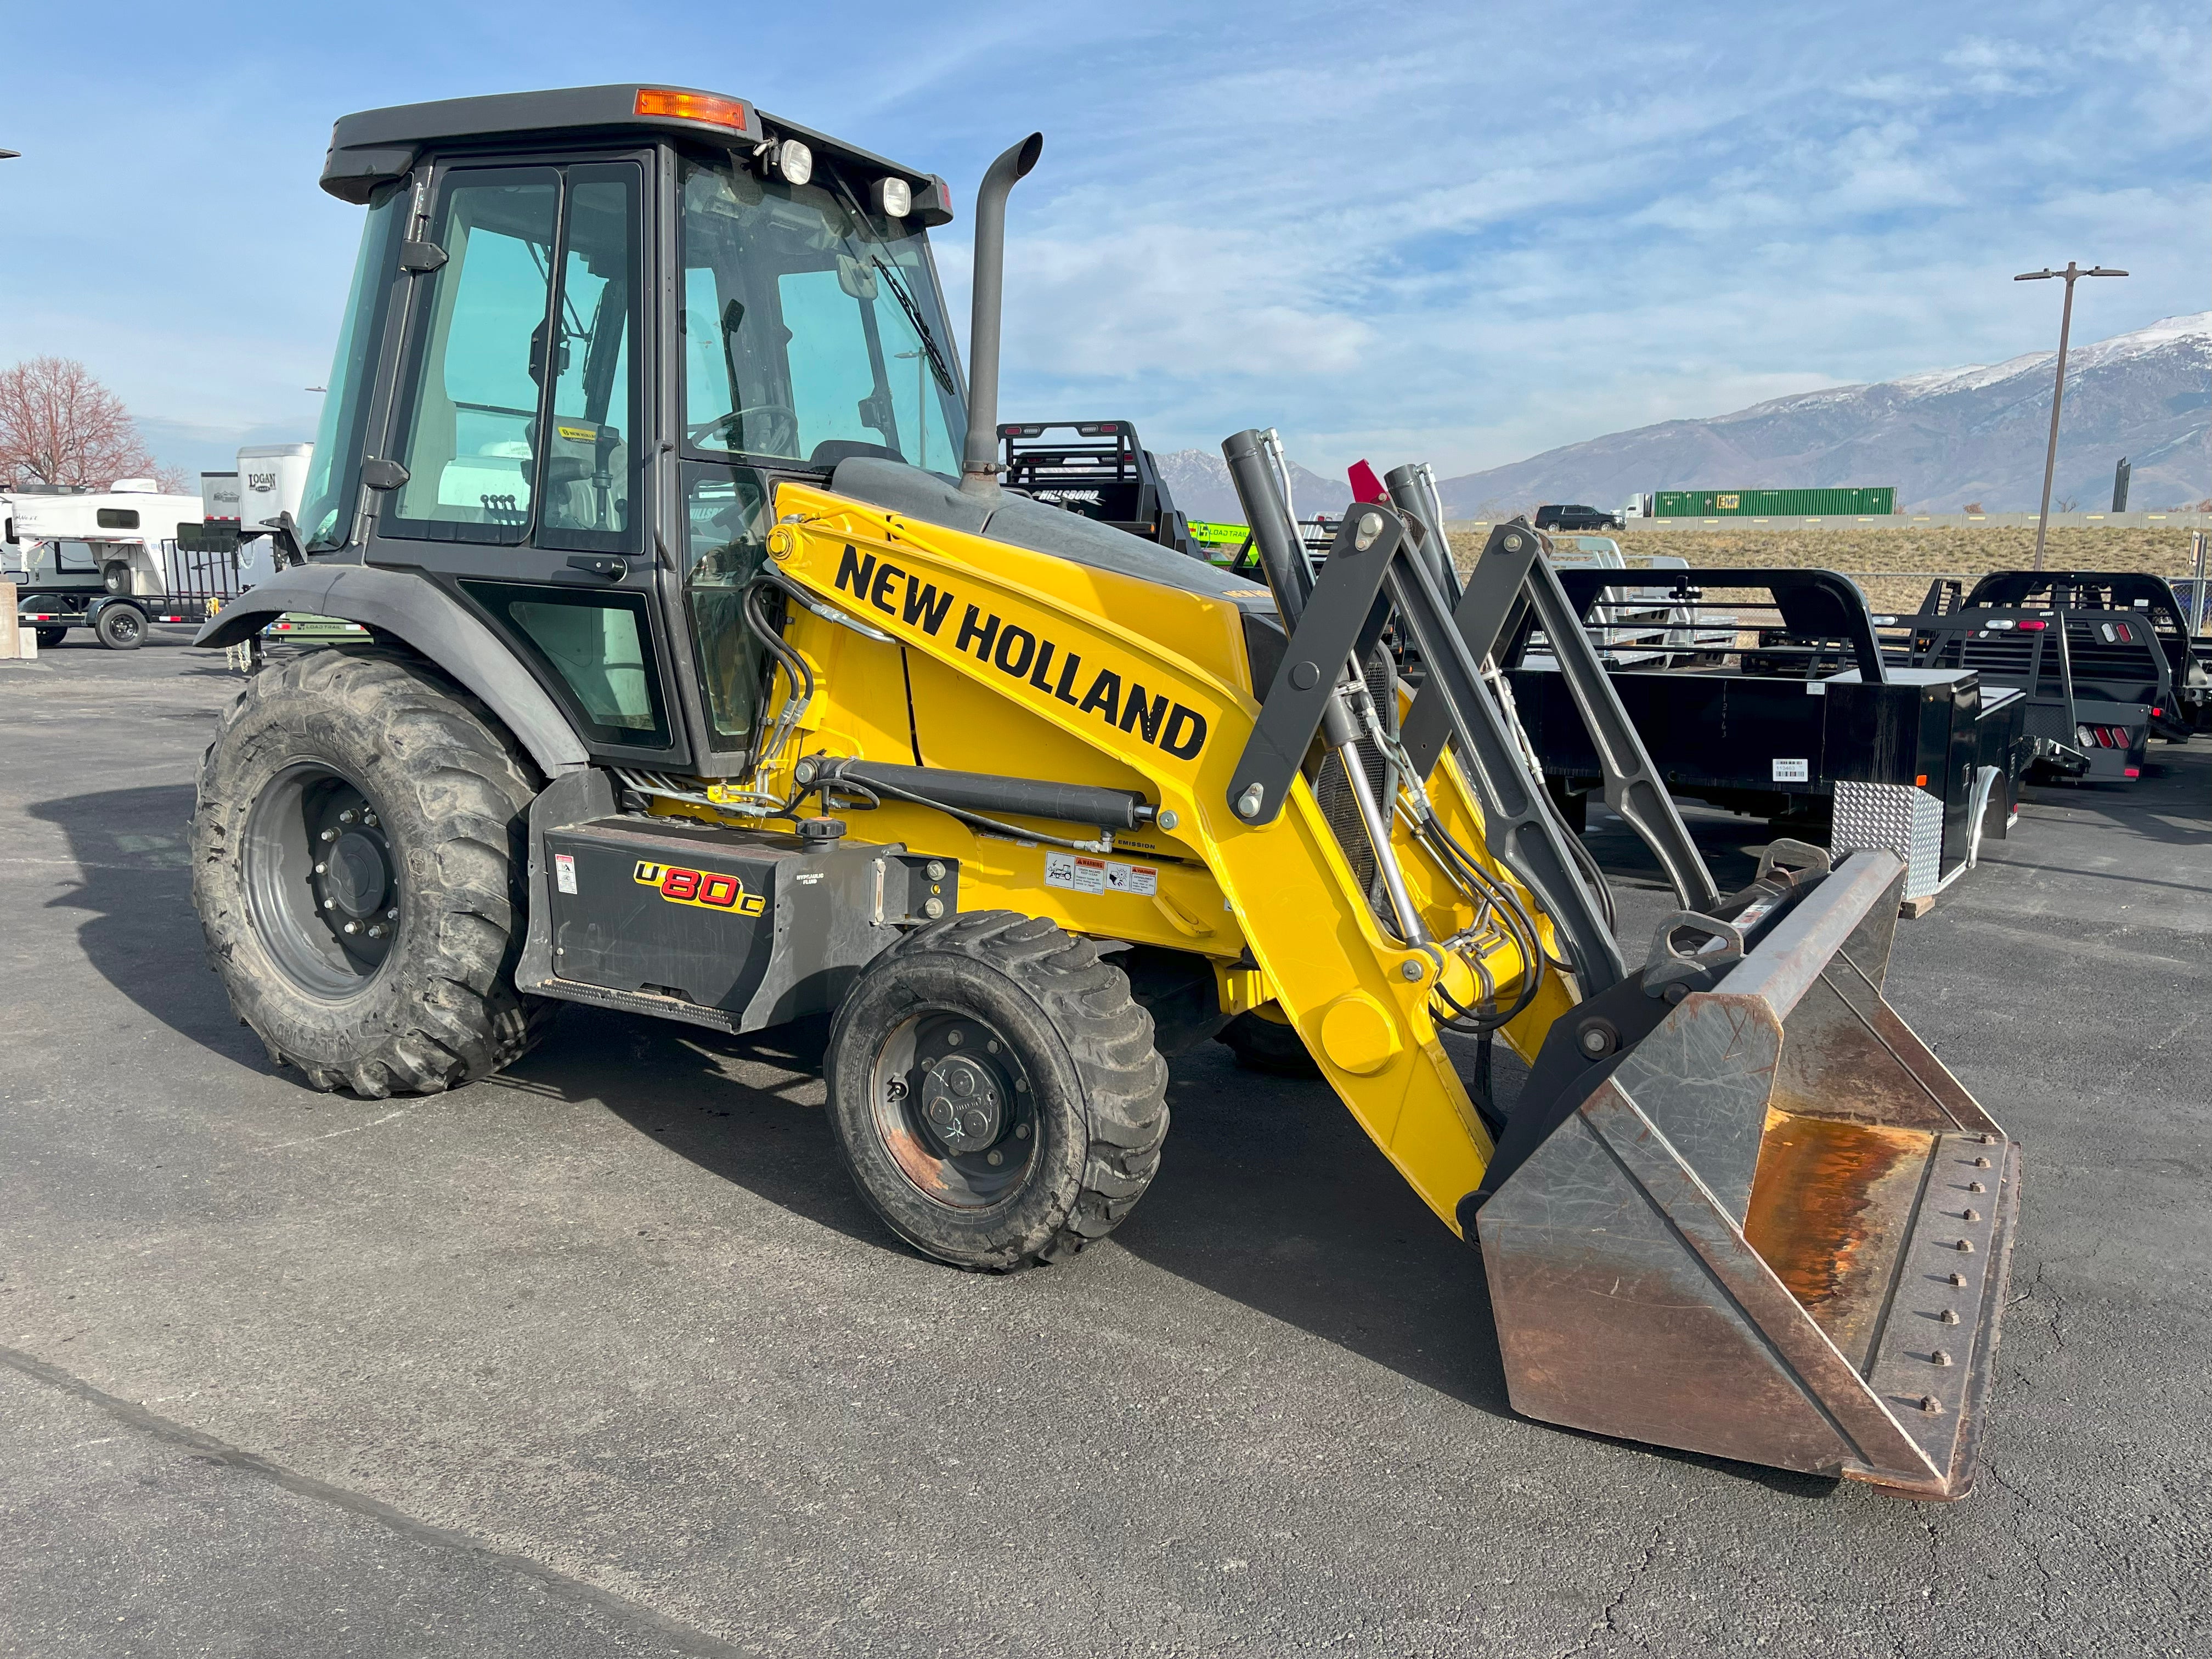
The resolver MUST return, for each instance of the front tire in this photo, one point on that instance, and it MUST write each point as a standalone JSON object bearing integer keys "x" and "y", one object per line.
{"x": 120, "y": 628}
{"x": 994, "y": 1092}
{"x": 1270, "y": 1046}
{"x": 357, "y": 861}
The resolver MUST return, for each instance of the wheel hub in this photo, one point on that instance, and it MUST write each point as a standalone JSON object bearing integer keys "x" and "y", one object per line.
{"x": 953, "y": 1103}
{"x": 323, "y": 882}
{"x": 357, "y": 875}
{"x": 962, "y": 1103}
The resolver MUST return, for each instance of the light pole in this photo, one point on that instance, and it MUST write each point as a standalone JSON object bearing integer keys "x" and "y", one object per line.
{"x": 2072, "y": 274}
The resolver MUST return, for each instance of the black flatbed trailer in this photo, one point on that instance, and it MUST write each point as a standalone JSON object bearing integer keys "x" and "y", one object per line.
{"x": 1805, "y": 724}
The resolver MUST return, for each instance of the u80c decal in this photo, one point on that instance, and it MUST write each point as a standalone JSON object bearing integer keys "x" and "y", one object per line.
{"x": 704, "y": 888}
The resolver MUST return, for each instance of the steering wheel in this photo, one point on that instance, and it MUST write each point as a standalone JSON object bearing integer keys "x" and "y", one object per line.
{"x": 781, "y": 439}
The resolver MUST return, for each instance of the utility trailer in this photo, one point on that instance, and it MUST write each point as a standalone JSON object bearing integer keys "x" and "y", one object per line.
{"x": 1103, "y": 471}
{"x": 1804, "y": 724}
{"x": 2095, "y": 654}
{"x": 117, "y": 562}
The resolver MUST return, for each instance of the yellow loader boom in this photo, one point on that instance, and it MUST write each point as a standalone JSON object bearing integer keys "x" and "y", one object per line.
{"x": 697, "y": 688}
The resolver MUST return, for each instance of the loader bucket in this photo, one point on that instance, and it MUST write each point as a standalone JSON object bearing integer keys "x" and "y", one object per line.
{"x": 1774, "y": 1229}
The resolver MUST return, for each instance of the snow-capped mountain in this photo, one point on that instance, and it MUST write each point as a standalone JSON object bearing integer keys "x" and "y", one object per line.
{"x": 1198, "y": 480}
{"x": 1945, "y": 439}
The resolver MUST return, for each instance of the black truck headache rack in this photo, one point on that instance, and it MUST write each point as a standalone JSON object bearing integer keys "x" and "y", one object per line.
{"x": 1100, "y": 471}
{"x": 2105, "y": 659}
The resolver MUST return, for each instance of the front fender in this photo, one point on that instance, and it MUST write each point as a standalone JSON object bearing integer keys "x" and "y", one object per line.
{"x": 433, "y": 624}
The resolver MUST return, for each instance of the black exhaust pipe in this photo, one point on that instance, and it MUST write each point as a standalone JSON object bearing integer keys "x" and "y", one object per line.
{"x": 979, "y": 465}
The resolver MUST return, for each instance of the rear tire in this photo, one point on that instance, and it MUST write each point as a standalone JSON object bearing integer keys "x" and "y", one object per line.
{"x": 1001, "y": 1156}
{"x": 344, "y": 786}
{"x": 120, "y": 628}
{"x": 1268, "y": 1046}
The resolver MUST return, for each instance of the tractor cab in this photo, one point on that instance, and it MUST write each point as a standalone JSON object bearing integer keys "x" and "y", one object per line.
{"x": 589, "y": 332}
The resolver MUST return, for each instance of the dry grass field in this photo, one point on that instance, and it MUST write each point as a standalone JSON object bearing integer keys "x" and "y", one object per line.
{"x": 1918, "y": 555}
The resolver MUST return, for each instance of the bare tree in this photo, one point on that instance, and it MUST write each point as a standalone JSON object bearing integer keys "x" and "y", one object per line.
{"x": 59, "y": 425}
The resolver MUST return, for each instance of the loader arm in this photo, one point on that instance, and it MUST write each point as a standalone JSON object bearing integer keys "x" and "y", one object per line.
{"x": 1032, "y": 642}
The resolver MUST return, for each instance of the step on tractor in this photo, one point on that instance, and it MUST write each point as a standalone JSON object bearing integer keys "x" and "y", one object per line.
{"x": 699, "y": 685}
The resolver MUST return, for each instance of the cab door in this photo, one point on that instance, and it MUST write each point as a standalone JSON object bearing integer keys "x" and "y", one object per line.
{"x": 520, "y": 420}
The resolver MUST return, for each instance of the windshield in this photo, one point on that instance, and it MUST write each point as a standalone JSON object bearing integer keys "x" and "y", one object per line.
{"x": 812, "y": 329}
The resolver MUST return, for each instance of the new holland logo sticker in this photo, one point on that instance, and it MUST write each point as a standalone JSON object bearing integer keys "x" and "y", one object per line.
{"x": 1152, "y": 717}
{"x": 707, "y": 889}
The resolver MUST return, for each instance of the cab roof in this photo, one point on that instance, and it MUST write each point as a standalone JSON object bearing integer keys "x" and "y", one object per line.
{"x": 373, "y": 146}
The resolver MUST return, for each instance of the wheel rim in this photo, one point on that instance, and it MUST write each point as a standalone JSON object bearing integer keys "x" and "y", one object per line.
{"x": 321, "y": 880}
{"x": 124, "y": 625}
{"x": 954, "y": 1108}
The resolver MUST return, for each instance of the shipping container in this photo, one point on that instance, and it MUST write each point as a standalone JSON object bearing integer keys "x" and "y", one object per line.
{"x": 1850, "y": 501}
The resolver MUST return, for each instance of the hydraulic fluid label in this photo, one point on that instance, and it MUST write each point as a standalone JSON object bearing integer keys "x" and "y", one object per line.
{"x": 709, "y": 889}
{"x": 1079, "y": 874}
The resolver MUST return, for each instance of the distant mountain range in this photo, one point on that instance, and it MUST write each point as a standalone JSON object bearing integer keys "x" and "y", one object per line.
{"x": 1200, "y": 484}
{"x": 1946, "y": 440}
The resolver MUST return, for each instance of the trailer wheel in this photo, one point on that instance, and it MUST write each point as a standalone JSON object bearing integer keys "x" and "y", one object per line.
{"x": 357, "y": 862}
{"x": 120, "y": 628}
{"x": 50, "y": 637}
{"x": 1273, "y": 1047}
{"x": 994, "y": 1092}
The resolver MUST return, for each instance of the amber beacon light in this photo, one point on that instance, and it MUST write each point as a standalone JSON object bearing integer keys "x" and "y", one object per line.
{"x": 693, "y": 107}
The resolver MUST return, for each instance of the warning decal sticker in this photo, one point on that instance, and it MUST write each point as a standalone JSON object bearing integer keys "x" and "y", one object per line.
{"x": 1079, "y": 874}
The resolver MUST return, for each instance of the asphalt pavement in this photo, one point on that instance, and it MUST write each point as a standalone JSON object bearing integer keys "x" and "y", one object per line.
{"x": 603, "y": 1356}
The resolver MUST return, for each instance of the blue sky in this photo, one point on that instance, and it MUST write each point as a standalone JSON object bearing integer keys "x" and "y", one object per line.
{"x": 1450, "y": 233}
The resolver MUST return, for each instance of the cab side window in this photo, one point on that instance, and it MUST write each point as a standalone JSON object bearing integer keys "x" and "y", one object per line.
{"x": 518, "y": 416}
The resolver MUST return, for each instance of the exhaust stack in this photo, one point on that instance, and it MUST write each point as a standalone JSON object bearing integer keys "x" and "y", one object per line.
{"x": 979, "y": 465}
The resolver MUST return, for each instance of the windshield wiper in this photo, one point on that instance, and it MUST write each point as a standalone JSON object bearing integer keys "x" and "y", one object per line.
{"x": 937, "y": 367}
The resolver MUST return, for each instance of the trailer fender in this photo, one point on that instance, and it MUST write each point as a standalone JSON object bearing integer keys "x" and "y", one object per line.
{"x": 420, "y": 616}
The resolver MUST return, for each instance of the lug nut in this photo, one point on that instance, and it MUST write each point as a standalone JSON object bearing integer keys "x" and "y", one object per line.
{"x": 330, "y": 904}
{"x": 348, "y": 815}
{"x": 329, "y": 834}
{"x": 353, "y": 927}
{"x": 1021, "y": 1132}
{"x": 955, "y": 1038}
{"x": 369, "y": 818}
{"x": 320, "y": 868}
{"x": 393, "y": 915}
{"x": 991, "y": 1048}
{"x": 995, "y": 1158}
{"x": 377, "y": 932}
